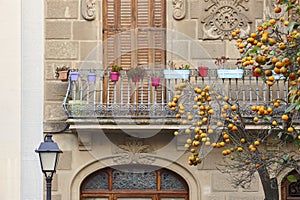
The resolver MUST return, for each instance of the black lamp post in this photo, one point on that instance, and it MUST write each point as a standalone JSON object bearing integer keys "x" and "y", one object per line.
{"x": 48, "y": 152}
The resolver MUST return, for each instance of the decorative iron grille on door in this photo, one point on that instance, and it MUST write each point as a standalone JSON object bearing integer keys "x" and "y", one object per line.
{"x": 134, "y": 182}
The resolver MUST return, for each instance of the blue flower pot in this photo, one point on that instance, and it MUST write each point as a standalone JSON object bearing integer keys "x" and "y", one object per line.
{"x": 176, "y": 74}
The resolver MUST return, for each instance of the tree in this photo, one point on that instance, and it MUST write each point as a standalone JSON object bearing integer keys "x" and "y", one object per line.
{"x": 214, "y": 121}
{"x": 274, "y": 49}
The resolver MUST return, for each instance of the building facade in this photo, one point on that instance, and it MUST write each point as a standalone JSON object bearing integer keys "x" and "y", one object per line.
{"x": 118, "y": 144}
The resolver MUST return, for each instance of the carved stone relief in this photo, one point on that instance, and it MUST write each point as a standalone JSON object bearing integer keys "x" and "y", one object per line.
{"x": 133, "y": 152}
{"x": 225, "y": 16}
{"x": 179, "y": 9}
{"x": 88, "y": 9}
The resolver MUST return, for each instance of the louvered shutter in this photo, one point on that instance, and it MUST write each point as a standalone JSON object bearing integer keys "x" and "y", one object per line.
{"x": 133, "y": 34}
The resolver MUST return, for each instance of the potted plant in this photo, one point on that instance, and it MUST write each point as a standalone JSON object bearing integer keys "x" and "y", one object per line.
{"x": 62, "y": 73}
{"x": 92, "y": 76}
{"x": 74, "y": 74}
{"x": 115, "y": 73}
{"x": 174, "y": 72}
{"x": 136, "y": 74}
{"x": 155, "y": 79}
{"x": 202, "y": 71}
{"x": 227, "y": 73}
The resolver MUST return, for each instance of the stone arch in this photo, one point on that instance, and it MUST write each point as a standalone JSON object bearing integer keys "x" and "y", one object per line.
{"x": 192, "y": 182}
{"x": 283, "y": 182}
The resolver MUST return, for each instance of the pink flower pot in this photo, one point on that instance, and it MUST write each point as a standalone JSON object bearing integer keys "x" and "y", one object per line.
{"x": 136, "y": 79}
{"x": 155, "y": 81}
{"x": 202, "y": 71}
{"x": 114, "y": 76}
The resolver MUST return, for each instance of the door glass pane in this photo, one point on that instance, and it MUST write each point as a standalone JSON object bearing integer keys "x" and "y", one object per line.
{"x": 172, "y": 198}
{"x": 97, "y": 198}
{"x": 132, "y": 198}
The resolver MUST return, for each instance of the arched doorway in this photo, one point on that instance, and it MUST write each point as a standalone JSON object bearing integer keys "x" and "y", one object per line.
{"x": 134, "y": 182}
{"x": 290, "y": 190}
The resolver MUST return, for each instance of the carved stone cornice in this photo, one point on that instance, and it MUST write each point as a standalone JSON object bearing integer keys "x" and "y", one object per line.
{"x": 225, "y": 16}
{"x": 88, "y": 9}
{"x": 179, "y": 9}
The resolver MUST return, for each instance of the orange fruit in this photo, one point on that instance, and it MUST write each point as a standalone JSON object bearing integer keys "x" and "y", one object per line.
{"x": 268, "y": 72}
{"x": 272, "y": 21}
{"x": 285, "y": 117}
{"x": 243, "y": 140}
{"x": 256, "y": 143}
{"x": 277, "y": 10}
{"x": 290, "y": 129}
{"x": 233, "y": 107}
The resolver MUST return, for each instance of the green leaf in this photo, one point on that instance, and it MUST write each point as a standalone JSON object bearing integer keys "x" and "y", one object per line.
{"x": 280, "y": 134}
{"x": 268, "y": 118}
{"x": 291, "y": 178}
{"x": 291, "y": 107}
{"x": 291, "y": 26}
{"x": 297, "y": 107}
{"x": 285, "y": 157}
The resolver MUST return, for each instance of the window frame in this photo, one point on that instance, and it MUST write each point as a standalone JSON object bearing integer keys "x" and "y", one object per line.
{"x": 112, "y": 194}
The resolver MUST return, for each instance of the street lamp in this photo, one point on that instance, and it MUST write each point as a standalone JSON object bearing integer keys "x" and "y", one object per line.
{"x": 48, "y": 152}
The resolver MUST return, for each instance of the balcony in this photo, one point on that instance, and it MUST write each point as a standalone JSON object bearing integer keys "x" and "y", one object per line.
{"x": 127, "y": 103}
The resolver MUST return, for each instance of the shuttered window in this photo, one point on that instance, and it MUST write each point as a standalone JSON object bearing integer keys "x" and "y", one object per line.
{"x": 134, "y": 33}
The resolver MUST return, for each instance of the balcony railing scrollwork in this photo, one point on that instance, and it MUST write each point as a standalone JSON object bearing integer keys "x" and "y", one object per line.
{"x": 103, "y": 98}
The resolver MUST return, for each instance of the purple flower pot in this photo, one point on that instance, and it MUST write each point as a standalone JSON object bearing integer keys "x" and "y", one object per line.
{"x": 155, "y": 81}
{"x": 114, "y": 76}
{"x": 74, "y": 76}
{"x": 91, "y": 77}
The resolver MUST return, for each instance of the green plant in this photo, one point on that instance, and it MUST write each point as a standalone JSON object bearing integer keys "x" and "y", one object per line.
{"x": 116, "y": 68}
{"x": 137, "y": 72}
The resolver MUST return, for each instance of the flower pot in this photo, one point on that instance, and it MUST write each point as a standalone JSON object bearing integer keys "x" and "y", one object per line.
{"x": 277, "y": 76}
{"x": 91, "y": 77}
{"x": 202, "y": 71}
{"x": 63, "y": 75}
{"x": 155, "y": 81}
{"x": 253, "y": 72}
{"x": 136, "y": 79}
{"x": 74, "y": 76}
{"x": 114, "y": 76}
{"x": 176, "y": 74}
{"x": 230, "y": 73}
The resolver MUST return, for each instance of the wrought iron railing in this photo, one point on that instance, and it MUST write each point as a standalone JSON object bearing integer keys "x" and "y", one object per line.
{"x": 103, "y": 98}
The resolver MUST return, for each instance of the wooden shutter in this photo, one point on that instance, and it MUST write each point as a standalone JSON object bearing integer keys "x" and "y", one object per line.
{"x": 133, "y": 34}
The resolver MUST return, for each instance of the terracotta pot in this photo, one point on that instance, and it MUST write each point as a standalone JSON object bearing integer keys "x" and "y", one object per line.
{"x": 202, "y": 71}
{"x": 114, "y": 76}
{"x": 155, "y": 81}
{"x": 63, "y": 75}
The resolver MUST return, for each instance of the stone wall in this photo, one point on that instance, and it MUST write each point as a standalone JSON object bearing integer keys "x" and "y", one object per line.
{"x": 198, "y": 32}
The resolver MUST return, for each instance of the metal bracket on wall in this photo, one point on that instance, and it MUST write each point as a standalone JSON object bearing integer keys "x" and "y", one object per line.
{"x": 88, "y": 9}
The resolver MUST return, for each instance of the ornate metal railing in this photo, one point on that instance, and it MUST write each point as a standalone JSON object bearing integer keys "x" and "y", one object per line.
{"x": 124, "y": 98}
